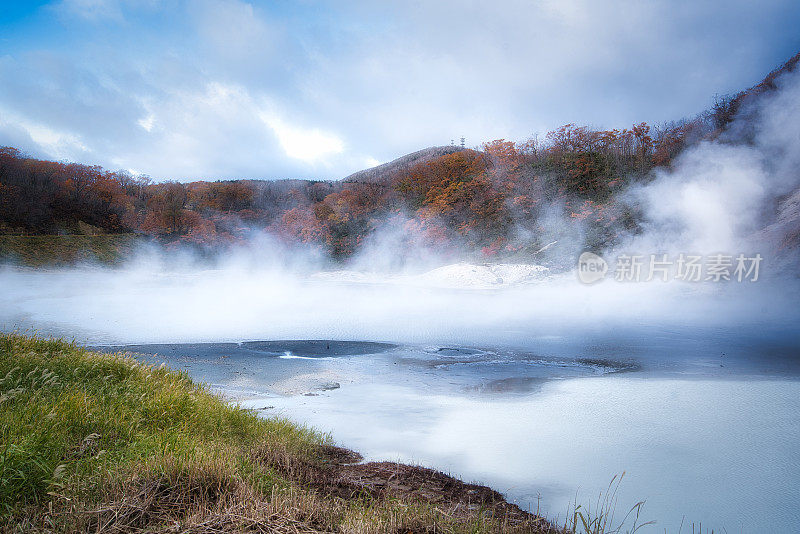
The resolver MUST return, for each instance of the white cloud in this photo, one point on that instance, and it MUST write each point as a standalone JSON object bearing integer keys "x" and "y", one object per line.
{"x": 234, "y": 29}
{"x": 370, "y": 162}
{"x": 310, "y": 145}
{"x": 147, "y": 122}
{"x": 92, "y": 10}
{"x": 56, "y": 144}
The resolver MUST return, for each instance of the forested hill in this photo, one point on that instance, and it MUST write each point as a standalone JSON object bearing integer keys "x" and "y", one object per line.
{"x": 494, "y": 200}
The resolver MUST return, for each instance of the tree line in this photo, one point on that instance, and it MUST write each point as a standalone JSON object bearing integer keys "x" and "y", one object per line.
{"x": 490, "y": 198}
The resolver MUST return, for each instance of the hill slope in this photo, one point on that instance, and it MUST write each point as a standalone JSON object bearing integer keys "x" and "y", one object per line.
{"x": 384, "y": 172}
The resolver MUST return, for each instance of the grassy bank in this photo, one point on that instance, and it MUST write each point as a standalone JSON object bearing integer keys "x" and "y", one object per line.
{"x": 53, "y": 250}
{"x": 93, "y": 442}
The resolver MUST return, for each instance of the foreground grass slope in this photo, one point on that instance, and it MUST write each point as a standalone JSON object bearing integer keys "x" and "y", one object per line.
{"x": 93, "y": 442}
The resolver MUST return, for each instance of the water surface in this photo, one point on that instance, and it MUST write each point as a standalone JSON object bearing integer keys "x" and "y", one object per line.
{"x": 701, "y": 437}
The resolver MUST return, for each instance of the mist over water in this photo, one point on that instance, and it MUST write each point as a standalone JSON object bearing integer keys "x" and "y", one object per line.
{"x": 545, "y": 388}
{"x": 519, "y": 377}
{"x": 729, "y": 196}
{"x": 151, "y": 304}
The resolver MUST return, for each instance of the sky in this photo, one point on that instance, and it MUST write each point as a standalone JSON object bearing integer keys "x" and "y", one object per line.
{"x": 221, "y": 89}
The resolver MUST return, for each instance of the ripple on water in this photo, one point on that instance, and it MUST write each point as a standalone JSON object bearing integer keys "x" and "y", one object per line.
{"x": 318, "y": 348}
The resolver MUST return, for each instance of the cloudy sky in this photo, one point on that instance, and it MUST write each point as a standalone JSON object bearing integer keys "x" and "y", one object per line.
{"x": 318, "y": 89}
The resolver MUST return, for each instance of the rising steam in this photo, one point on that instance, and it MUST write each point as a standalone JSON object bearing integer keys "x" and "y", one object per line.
{"x": 724, "y": 196}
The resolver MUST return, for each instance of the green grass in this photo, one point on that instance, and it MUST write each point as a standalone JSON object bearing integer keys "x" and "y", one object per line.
{"x": 77, "y": 425}
{"x": 93, "y": 442}
{"x": 49, "y": 250}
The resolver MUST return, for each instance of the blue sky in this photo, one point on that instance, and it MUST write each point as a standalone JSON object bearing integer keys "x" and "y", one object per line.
{"x": 209, "y": 89}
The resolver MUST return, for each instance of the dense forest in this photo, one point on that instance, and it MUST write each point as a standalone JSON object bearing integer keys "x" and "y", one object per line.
{"x": 495, "y": 199}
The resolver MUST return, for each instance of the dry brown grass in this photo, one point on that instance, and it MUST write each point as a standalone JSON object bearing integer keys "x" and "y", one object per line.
{"x": 53, "y": 250}
{"x": 207, "y": 499}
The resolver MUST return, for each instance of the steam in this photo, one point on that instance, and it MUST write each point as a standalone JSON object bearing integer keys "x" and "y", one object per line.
{"x": 725, "y": 196}
{"x": 710, "y": 203}
{"x": 722, "y": 193}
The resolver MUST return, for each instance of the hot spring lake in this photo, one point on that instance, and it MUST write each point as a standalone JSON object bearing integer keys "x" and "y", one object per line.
{"x": 714, "y": 444}
{"x": 703, "y": 419}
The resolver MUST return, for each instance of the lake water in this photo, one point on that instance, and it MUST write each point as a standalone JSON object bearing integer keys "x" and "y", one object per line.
{"x": 706, "y": 439}
{"x": 512, "y": 389}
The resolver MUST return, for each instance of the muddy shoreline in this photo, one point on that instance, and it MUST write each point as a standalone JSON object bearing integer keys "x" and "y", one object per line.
{"x": 343, "y": 474}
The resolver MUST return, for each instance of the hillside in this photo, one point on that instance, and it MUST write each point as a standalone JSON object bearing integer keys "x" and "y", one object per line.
{"x": 743, "y": 105}
{"x": 51, "y": 250}
{"x": 504, "y": 201}
{"x": 385, "y": 172}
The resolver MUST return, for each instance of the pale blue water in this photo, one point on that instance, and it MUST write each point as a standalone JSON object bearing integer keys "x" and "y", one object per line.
{"x": 544, "y": 392}
{"x": 701, "y": 437}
